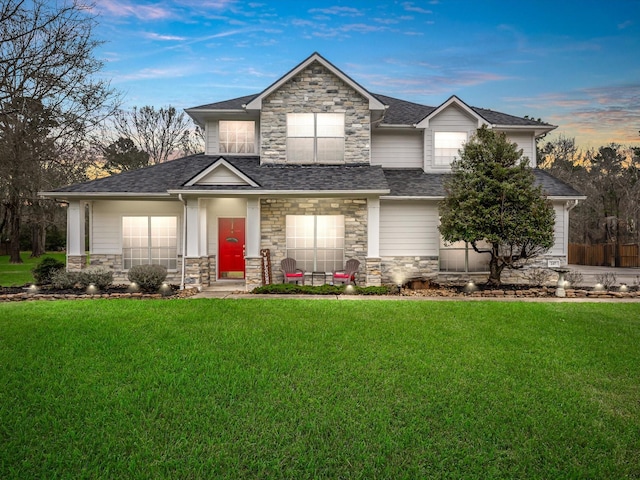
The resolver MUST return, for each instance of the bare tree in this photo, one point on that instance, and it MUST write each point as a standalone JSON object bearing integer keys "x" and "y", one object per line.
{"x": 162, "y": 133}
{"x": 50, "y": 99}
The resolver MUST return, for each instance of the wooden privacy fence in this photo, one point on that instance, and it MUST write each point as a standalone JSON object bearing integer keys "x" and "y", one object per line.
{"x": 605, "y": 255}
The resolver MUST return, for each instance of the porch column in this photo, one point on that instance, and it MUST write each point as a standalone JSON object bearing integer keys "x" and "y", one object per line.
{"x": 193, "y": 228}
{"x": 192, "y": 260}
{"x": 373, "y": 265}
{"x": 76, "y": 256}
{"x": 253, "y": 260}
{"x": 373, "y": 227}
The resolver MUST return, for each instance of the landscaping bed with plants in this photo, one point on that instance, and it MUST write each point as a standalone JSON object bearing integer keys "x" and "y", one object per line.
{"x": 52, "y": 282}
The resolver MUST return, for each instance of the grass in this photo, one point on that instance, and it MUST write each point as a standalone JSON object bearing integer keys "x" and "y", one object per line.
{"x": 15, "y": 275}
{"x": 318, "y": 389}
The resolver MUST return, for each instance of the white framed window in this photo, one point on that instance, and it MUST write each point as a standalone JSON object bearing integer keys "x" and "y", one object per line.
{"x": 461, "y": 257}
{"x": 446, "y": 146}
{"x": 315, "y": 137}
{"x": 150, "y": 240}
{"x": 237, "y": 136}
{"x": 316, "y": 241}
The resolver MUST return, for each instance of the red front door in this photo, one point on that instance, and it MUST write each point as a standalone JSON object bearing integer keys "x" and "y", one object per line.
{"x": 231, "y": 248}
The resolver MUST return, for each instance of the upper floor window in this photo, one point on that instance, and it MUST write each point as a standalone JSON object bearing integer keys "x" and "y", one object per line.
{"x": 315, "y": 137}
{"x": 446, "y": 146}
{"x": 237, "y": 137}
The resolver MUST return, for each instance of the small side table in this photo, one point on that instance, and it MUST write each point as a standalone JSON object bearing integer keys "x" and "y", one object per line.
{"x": 320, "y": 276}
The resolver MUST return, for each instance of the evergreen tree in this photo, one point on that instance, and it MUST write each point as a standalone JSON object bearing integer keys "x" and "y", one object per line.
{"x": 492, "y": 197}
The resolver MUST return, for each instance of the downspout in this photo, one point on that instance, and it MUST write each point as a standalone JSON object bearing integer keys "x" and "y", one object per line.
{"x": 572, "y": 205}
{"x": 184, "y": 239}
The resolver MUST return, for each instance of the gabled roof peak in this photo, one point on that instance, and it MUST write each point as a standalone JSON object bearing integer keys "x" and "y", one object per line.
{"x": 374, "y": 103}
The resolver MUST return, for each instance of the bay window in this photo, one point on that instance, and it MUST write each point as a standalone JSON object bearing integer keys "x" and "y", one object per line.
{"x": 315, "y": 137}
{"x": 316, "y": 241}
{"x": 150, "y": 240}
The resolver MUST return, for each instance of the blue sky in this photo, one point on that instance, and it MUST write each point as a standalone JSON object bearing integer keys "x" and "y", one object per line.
{"x": 575, "y": 64}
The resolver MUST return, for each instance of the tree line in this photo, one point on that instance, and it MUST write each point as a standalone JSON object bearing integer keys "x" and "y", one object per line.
{"x": 61, "y": 122}
{"x": 609, "y": 176}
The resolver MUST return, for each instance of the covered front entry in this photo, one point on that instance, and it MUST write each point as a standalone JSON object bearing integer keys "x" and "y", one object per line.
{"x": 231, "y": 248}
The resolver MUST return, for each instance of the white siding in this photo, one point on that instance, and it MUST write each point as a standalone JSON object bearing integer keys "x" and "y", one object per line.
{"x": 221, "y": 176}
{"x": 560, "y": 233}
{"x": 451, "y": 119}
{"x": 211, "y": 138}
{"x": 526, "y": 142}
{"x": 106, "y": 225}
{"x": 397, "y": 148}
{"x": 409, "y": 228}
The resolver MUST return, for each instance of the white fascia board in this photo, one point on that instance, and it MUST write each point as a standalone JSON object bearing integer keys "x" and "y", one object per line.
{"x": 105, "y": 195}
{"x": 411, "y": 197}
{"x": 564, "y": 198}
{"x": 374, "y": 103}
{"x": 424, "y": 123}
{"x": 200, "y": 115}
{"x": 276, "y": 193}
{"x": 537, "y": 129}
{"x": 217, "y": 164}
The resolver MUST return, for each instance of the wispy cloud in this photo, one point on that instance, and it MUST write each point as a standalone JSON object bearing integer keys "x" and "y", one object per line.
{"x": 157, "y": 36}
{"x": 340, "y": 11}
{"x": 411, "y": 7}
{"x": 594, "y": 116}
{"x": 154, "y": 73}
{"x": 623, "y": 25}
{"x": 122, "y": 8}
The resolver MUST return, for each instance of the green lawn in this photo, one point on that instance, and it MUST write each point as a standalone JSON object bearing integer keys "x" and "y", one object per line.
{"x": 319, "y": 389}
{"x": 15, "y": 275}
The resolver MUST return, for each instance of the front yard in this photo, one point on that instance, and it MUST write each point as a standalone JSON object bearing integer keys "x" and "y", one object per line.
{"x": 301, "y": 389}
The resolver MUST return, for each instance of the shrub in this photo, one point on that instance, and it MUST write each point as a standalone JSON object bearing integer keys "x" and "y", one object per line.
{"x": 63, "y": 280}
{"x": 43, "y": 272}
{"x": 538, "y": 276}
{"x": 148, "y": 277}
{"x": 607, "y": 279}
{"x": 101, "y": 277}
{"x": 574, "y": 278}
{"x": 294, "y": 289}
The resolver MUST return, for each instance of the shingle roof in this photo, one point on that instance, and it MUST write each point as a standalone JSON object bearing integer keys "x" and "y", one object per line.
{"x": 232, "y": 104}
{"x": 400, "y": 112}
{"x": 415, "y": 183}
{"x": 175, "y": 174}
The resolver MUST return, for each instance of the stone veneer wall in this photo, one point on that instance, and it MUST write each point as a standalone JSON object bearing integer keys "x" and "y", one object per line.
{"x": 75, "y": 263}
{"x": 273, "y": 226}
{"x": 114, "y": 262}
{"x": 253, "y": 273}
{"x": 399, "y": 269}
{"x": 315, "y": 90}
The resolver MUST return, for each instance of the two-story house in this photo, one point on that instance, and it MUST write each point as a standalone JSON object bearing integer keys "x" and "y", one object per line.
{"x": 315, "y": 167}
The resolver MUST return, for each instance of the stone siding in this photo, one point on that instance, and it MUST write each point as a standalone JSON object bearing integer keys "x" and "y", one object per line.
{"x": 397, "y": 270}
{"x": 253, "y": 273}
{"x": 75, "y": 263}
{"x": 315, "y": 90}
{"x": 273, "y": 226}
{"x": 373, "y": 272}
{"x": 114, "y": 262}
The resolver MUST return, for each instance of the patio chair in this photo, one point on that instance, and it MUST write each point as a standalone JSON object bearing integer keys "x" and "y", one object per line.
{"x": 290, "y": 272}
{"x": 347, "y": 275}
